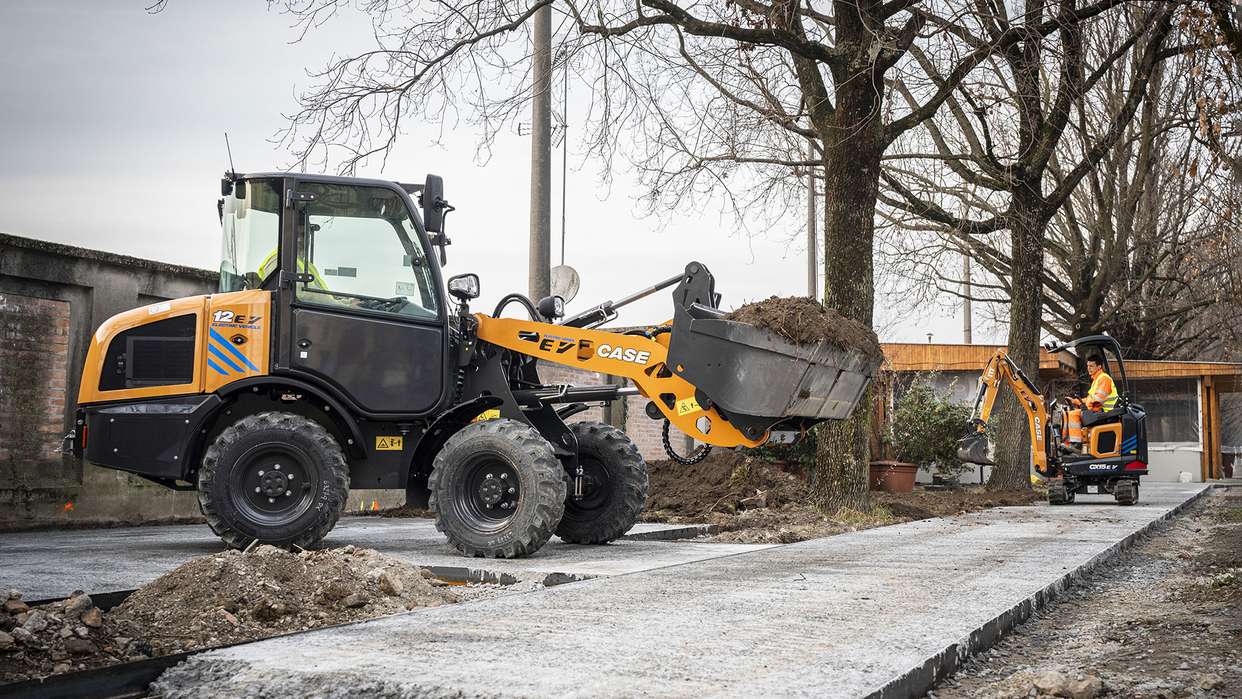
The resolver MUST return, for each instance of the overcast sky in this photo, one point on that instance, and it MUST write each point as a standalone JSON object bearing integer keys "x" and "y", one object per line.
{"x": 111, "y": 137}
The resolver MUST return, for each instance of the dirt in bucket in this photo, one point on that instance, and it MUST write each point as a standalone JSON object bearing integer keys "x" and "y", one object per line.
{"x": 805, "y": 321}
{"x": 211, "y": 601}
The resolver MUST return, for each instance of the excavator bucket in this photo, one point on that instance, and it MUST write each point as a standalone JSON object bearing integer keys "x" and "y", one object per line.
{"x": 973, "y": 448}
{"x": 757, "y": 378}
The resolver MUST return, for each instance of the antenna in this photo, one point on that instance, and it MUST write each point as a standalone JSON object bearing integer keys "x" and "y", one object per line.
{"x": 232, "y": 170}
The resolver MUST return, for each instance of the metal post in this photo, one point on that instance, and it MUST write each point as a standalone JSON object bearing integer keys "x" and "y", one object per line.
{"x": 564, "y": 143}
{"x": 966, "y": 321}
{"x": 812, "y": 247}
{"x": 540, "y": 259}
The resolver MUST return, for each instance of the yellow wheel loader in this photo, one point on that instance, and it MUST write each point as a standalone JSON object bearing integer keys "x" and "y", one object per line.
{"x": 1113, "y": 454}
{"x": 332, "y": 358}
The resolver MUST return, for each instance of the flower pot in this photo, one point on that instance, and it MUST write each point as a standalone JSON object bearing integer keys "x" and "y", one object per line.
{"x": 893, "y": 476}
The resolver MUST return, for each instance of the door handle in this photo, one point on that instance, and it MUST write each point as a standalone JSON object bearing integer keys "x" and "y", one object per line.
{"x": 304, "y": 343}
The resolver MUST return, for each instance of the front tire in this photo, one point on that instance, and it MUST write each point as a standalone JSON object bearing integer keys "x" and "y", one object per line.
{"x": 497, "y": 489}
{"x": 274, "y": 477}
{"x": 615, "y": 486}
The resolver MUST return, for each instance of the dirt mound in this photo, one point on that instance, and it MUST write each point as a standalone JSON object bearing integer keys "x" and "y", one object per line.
{"x": 752, "y": 500}
{"x": 726, "y": 481}
{"x": 211, "y": 601}
{"x": 805, "y": 321}
{"x": 234, "y": 596}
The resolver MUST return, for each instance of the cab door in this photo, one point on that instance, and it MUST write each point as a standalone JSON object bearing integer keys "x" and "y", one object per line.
{"x": 366, "y": 314}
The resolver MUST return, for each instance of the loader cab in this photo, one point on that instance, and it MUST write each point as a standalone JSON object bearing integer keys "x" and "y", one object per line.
{"x": 357, "y": 290}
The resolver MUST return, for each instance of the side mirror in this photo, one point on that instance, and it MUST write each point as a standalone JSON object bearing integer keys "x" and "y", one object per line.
{"x": 551, "y": 307}
{"x": 433, "y": 204}
{"x": 464, "y": 287}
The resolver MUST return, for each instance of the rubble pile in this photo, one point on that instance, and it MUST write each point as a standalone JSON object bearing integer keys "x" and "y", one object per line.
{"x": 211, "y": 601}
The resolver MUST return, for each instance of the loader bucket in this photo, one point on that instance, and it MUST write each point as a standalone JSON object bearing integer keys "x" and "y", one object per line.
{"x": 758, "y": 379}
{"x": 973, "y": 448}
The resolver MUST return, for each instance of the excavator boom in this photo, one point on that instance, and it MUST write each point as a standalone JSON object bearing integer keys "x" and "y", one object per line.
{"x": 1001, "y": 370}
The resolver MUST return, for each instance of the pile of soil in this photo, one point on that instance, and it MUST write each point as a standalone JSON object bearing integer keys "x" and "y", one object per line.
{"x": 805, "y": 321}
{"x": 751, "y": 500}
{"x": 725, "y": 482}
{"x": 211, "y": 601}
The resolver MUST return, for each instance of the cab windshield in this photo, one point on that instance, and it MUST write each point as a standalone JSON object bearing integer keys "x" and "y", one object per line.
{"x": 251, "y": 223}
{"x": 358, "y": 248}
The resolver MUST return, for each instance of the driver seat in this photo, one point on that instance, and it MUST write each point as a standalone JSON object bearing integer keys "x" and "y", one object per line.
{"x": 1090, "y": 418}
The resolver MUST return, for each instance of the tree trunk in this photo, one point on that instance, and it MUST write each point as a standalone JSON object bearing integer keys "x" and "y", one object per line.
{"x": 1013, "y": 440}
{"x": 851, "y": 186}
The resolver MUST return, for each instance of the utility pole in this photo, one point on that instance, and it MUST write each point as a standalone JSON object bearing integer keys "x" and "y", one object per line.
{"x": 812, "y": 257}
{"x": 966, "y": 329}
{"x": 540, "y": 259}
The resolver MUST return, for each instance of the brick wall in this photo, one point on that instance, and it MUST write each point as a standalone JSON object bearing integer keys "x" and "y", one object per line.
{"x": 34, "y": 353}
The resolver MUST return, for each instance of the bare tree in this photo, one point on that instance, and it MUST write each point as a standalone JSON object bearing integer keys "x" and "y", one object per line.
{"x": 710, "y": 99}
{"x": 994, "y": 151}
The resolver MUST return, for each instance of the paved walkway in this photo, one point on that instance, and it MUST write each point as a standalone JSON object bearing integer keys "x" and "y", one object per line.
{"x": 45, "y": 564}
{"x": 875, "y": 613}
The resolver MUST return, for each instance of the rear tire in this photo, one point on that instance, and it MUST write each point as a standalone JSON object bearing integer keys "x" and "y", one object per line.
{"x": 1126, "y": 492}
{"x": 615, "y": 488}
{"x": 497, "y": 489}
{"x": 1058, "y": 494}
{"x": 274, "y": 477}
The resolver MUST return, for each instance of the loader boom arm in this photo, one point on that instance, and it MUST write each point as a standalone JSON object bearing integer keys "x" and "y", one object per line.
{"x": 635, "y": 357}
{"x": 1001, "y": 369}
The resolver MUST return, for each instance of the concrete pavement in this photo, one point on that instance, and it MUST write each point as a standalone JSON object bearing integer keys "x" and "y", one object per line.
{"x": 45, "y": 564}
{"x": 876, "y": 613}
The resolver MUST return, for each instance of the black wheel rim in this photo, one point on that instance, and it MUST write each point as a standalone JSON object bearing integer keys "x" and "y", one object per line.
{"x": 488, "y": 493}
{"x": 273, "y": 484}
{"x": 597, "y": 490}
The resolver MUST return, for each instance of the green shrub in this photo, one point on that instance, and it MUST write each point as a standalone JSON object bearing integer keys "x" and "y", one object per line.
{"x": 926, "y": 426}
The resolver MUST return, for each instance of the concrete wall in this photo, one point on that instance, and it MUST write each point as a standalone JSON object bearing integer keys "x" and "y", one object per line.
{"x": 52, "y": 297}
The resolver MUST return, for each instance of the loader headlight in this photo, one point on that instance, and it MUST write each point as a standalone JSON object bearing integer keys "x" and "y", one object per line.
{"x": 464, "y": 286}
{"x": 551, "y": 307}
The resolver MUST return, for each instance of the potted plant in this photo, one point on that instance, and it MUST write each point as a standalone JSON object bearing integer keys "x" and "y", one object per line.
{"x": 924, "y": 432}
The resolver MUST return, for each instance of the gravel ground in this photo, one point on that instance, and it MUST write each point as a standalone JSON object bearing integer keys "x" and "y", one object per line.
{"x": 1165, "y": 620}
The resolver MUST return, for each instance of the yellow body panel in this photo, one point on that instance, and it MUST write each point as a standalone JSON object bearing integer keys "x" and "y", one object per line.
{"x": 239, "y": 330}
{"x": 1096, "y": 433}
{"x": 637, "y": 358}
{"x": 88, "y": 389}
{"x": 255, "y": 345}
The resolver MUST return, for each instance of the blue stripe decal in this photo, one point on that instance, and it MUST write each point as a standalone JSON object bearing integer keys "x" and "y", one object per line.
{"x": 223, "y": 357}
{"x": 233, "y": 350}
{"x": 215, "y": 366}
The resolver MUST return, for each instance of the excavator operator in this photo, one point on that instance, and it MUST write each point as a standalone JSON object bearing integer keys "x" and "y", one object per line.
{"x": 1100, "y": 398}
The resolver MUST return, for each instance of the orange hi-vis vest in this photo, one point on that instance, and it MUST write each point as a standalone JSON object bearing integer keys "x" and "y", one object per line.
{"x": 1103, "y": 393}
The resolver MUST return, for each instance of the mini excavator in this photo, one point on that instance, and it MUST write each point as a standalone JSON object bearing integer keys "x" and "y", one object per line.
{"x": 1113, "y": 453}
